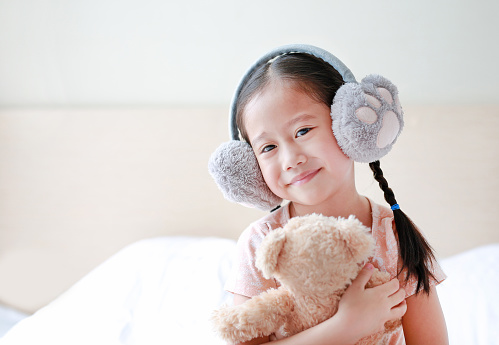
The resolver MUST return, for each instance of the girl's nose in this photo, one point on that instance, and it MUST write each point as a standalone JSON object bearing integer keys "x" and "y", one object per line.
{"x": 293, "y": 157}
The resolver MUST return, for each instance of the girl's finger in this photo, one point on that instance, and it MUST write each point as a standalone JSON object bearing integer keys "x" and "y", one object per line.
{"x": 364, "y": 276}
{"x": 398, "y": 297}
{"x": 391, "y": 287}
{"x": 399, "y": 310}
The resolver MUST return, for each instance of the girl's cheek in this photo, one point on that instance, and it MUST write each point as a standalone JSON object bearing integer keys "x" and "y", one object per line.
{"x": 270, "y": 175}
{"x": 263, "y": 168}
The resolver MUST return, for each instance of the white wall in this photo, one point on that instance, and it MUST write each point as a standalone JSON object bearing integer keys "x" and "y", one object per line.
{"x": 157, "y": 52}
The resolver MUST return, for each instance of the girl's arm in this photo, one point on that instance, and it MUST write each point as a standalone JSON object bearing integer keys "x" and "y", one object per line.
{"x": 361, "y": 312}
{"x": 424, "y": 321}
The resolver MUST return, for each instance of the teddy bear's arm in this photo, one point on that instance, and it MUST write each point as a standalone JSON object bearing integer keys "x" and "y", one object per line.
{"x": 260, "y": 316}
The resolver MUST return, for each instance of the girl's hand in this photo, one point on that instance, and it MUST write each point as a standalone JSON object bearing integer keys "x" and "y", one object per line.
{"x": 361, "y": 312}
{"x": 365, "y": 310}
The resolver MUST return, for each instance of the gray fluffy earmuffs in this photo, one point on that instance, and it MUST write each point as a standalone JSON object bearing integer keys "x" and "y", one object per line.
{"x": 366, "y": 116}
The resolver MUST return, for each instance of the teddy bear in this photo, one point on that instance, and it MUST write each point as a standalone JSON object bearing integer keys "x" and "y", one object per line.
{"x": 314, "y": 258}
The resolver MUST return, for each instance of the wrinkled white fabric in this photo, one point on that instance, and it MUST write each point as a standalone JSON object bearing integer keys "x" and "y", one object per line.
{"x": 163, "y": 291}
{"x": 156, "y": 291}
{"x": 469, "y": 296}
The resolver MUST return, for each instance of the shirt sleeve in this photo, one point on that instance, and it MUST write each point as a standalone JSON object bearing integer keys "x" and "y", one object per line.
{"x": 245, "y": 279}
{"x": 387, "y": 257}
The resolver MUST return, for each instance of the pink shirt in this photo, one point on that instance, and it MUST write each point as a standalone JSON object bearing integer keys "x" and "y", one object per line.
{"x": 245, "y": 279}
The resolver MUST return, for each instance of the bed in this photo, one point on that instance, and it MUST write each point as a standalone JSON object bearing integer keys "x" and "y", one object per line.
{"x": 162, "y": 291}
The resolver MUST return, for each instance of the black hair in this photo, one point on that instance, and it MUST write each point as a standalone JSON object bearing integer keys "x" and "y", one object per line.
{"x": 309, "y": 74}
{"x": 320, "y": 81}
{"x": 415, "y": 251}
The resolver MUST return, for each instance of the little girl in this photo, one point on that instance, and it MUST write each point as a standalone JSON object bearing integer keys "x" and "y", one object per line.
{"x": 282, "y": 110}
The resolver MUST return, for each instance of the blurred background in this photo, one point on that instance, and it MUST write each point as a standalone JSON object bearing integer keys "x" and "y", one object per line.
{"x": 109, "y": 111}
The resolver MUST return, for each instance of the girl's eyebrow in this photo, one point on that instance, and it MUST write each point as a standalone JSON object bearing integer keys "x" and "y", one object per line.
{"x": 290, "y": 123}
{"x": 258, "y": 138}
{"x": 300, "y": 118}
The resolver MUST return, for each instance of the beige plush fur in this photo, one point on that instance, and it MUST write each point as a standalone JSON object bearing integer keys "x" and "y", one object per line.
{"x": 314, "y": 258}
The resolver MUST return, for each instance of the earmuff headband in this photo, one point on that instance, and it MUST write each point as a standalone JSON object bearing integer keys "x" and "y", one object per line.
{"x": 366, "y": 121}
{"x": 344, "y": 71}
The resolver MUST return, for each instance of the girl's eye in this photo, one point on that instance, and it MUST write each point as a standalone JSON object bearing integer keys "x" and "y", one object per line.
{"x": 268, "y": 148}
{"x": 303, "y": 131}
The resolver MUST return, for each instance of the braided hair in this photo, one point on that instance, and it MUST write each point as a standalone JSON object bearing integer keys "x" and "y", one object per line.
{"x": 415, "y": 251}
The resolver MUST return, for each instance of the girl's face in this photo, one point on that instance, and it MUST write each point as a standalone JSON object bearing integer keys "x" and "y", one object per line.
{"x": 291, "y": 136}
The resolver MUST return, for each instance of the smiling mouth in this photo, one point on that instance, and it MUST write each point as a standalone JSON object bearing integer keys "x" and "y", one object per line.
{"x": 304, "y": 177}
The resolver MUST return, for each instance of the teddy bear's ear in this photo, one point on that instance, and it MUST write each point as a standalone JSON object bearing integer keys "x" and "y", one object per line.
{"x": 268, "y": 252}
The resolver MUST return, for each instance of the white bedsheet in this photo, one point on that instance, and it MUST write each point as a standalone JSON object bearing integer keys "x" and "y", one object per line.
{"x": 162, "y": 291}
{"x": 157, "y": 291}
{"x": 469, "y": 296}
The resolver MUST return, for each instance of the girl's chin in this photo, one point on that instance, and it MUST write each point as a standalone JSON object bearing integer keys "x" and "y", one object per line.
{"x": 305, "y": 204}
{"x": 311, "y": 198}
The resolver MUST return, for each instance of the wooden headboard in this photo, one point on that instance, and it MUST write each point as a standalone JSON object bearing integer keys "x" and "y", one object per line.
{"x": 77, "y": 185}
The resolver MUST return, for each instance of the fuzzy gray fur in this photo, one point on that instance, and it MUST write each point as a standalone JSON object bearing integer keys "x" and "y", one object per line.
{"x": 356, "y": 138}
{"x": 235, "y": 169}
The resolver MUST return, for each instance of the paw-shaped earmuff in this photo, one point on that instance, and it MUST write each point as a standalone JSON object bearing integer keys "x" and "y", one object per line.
{"x": 367, "y": 119}
{"x": 237, "y": 173}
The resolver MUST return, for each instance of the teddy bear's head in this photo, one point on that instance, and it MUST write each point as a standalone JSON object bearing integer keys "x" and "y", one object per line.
{"x": 315, "y": 253}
